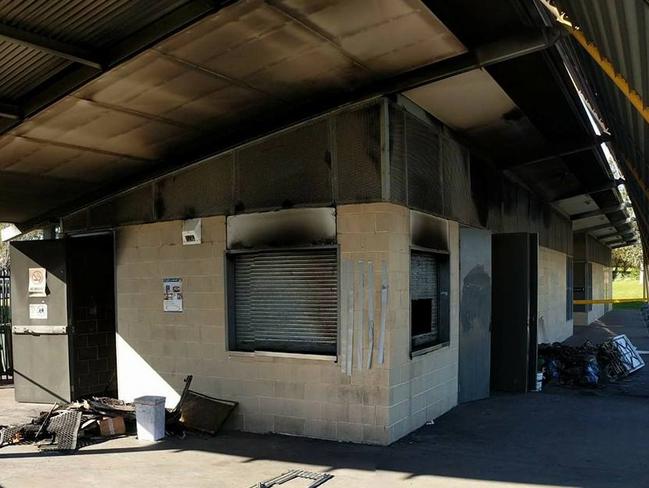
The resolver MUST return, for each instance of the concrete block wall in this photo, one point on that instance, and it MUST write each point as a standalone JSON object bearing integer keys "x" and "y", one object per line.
{"x": 423, "y": 387}
{"x": 283, "y": 393}
{"x": 290, "y": 394}
{"x": 552, "y": 323}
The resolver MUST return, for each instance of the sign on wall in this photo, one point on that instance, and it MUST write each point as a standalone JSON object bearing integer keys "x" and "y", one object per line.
{"x": 38, "y": 311}
{"x": 37, "y": 282}
{"x": 172, "y": 289}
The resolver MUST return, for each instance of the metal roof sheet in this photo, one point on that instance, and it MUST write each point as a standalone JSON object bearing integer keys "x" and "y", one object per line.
{"x": 619, "y": 30}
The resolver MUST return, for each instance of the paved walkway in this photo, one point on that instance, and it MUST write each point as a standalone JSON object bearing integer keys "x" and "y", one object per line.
{"x": 563, "y": 438}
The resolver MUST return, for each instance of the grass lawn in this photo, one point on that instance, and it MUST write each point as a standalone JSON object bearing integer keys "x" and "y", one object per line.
{"x": 627, "y": 288}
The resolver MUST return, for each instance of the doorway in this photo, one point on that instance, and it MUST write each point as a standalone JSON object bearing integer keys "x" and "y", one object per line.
{"x": 514, "y": 311}
{"x": 64, "y": 334}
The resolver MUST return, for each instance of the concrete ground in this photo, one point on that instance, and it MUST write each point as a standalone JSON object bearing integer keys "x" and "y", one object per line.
{"x": 564, "y": 438}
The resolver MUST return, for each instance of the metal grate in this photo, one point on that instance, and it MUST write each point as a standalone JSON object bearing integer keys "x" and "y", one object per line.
{"x": 398, "y": 179}
{"x": 358, "y": 155}
{"x": 65, "y": 427}
{"x": 317, "y": 478}
{"x": 285, "y": 170}
{"x": 425, "y": 189}
{"x": 286, "y": 301}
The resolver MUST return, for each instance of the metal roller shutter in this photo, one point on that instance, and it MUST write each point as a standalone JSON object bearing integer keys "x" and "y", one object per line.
{"x": 424, "y": 286}
{"x": 286, "y": 301}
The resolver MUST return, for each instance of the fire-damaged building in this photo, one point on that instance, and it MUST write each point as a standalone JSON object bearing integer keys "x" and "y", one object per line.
{"x": 346, "y": 216}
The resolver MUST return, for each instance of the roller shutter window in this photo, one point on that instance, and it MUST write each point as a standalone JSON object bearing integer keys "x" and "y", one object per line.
{"x": 428, "y": 299}
{"x": 284, "y": 301}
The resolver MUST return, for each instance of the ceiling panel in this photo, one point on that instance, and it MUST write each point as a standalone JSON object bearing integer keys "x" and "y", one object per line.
{"x": 588, "y": 222}
{"x": 20, "y": 155}
{"x": 576, "y": 205}
{"x": 84, "y": 124}
{"x": 472, "y": 100}
{"x": 416, "y": 37}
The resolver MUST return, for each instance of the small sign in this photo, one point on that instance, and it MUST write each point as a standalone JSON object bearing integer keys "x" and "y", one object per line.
{"x": 172, "y": 289}
{"x": 38, "y": 311}
{"x": 37, "y": 282}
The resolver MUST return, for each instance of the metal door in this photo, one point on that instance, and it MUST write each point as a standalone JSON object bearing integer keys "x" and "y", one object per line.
{"x": 475, "y": 314}
{"x": 514, "y": 304}
{"x": 40, "y": 341}
{"x": 6, "y": 356}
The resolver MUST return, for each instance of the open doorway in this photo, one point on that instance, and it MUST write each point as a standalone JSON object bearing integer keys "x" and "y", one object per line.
{"x": 514, "y": 311}
{"x": 91, "y": 295}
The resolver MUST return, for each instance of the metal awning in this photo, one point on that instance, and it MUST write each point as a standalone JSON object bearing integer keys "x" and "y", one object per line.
{"x": 96, "y": 93}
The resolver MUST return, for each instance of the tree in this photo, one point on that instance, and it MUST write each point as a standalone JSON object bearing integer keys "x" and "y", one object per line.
{"x": 4, "y": 246}
{"x": 626, "y": 259}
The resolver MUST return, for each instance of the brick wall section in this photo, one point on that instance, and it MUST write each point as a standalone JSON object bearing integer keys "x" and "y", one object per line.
{"x": 426, "y": 386}
{"x": 552, "y": 323}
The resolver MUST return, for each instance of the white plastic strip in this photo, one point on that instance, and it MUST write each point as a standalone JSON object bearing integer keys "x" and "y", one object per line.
{"x": 370, "y": 313}
{"x": 384, "y": 310}
{"x": 361, "y": 315}
{"x": 350, "y": 323}
{"x": 344, "y": 315}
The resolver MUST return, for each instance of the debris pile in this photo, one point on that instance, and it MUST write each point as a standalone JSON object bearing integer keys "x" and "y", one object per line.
{"x": 589, "y": 364}
{"x": 66, "y": 427}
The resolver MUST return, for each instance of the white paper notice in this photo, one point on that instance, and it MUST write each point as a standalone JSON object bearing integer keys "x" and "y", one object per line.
{"x": 37, "y": 282}
{"x": 172, "y": 289}
{"x": 38, "y": 311}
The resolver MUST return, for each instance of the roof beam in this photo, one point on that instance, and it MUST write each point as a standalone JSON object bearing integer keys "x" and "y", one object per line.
{"x": 505, "y": 49}
{"x": 49, "y": 46}
{"x": 567, "y": 151}
{"x": 599, "y": 211}
{"x": 10, "y": 111}
{"x": 613, "y": 234}
{"x": 595, "y": 228}
{"x": 612, "y": 185}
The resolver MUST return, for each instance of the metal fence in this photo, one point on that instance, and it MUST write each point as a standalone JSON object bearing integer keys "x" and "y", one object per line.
{"x": 6, "y": 353}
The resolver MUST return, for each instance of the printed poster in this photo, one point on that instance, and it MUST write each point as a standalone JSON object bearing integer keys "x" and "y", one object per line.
{"x": 172, "y": 289}
{"x": 37, "y": 282}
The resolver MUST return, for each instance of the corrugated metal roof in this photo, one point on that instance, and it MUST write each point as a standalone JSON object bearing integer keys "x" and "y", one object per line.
{"x": 22, "y": 69}
{"x": 619, "y": 30}
{"x": 89, "y": 23}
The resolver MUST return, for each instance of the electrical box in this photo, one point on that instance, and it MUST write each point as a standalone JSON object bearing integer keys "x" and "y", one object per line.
{"x": 191, "y": 232}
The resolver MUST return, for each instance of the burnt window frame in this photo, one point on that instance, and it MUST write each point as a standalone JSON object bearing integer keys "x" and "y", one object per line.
{"x": 443, "y": 296}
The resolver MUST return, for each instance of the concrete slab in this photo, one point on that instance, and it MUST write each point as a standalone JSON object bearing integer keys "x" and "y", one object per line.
{"x": 549, "y": 439}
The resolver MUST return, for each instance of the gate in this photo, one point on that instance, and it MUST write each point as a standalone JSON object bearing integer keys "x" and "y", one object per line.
{"x": 6, "y": 354}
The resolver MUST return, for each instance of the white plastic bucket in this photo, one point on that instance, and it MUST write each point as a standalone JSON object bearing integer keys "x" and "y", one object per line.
{"x": 150, "y": 417}
{"x": 539, "y": 381}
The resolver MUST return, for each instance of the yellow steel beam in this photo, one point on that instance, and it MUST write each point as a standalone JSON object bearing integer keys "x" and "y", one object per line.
{"x": 632, "y": 95}
{"x": 608, "y": 300}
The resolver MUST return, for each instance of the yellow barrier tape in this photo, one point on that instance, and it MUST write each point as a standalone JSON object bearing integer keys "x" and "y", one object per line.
{"x": 609, "y": 300}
